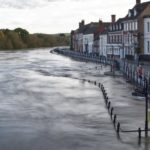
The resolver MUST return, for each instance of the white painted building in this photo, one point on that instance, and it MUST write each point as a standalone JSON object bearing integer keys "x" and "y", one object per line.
{"x": 147, "y": 35}
{"x": 88, "y": 40}
{"x": 130, "y": 40}
{"x": 115, "y": 40}
{"x": 103, "y": 45}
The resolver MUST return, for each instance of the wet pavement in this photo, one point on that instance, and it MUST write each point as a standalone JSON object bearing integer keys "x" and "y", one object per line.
{"x": 45, "y": 105}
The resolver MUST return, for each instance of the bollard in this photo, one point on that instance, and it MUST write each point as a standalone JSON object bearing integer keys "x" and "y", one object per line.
{"x": 99, "y": 85}
{"x": 108, "y": 106}
{"x": 118, "y": 127}
{"x": 102, "y": 88}
{"x": 104, "y": 91}
{"x": 106, "y": 101}
{"x": 115, "y": 117}
{"x": 111, "y": 112}
{"x": 139, "y": 131}
{"x": 95, "y": 82}
{"x": 105, "y": 94}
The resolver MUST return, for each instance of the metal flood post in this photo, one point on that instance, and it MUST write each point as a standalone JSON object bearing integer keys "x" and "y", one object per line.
{"x": 146, "y": 107}
{"x": 118, "y": 127}
{"x": 111, "y": 112}
{"x": 115, "y": 117}
{"x": 139, "y": 131}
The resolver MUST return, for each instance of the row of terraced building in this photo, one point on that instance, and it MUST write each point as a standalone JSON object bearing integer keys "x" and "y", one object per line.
{"x": 125, "y": 38}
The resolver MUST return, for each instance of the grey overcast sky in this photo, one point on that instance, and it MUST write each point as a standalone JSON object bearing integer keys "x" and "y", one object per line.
{"x": 58, "y": 16}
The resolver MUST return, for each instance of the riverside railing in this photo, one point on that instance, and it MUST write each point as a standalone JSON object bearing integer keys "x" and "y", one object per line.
{"x": 82, "y": 56}
{"x": 131, "y": 75}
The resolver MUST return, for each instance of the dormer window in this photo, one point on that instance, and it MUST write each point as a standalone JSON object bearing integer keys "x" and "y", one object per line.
{"x": 120, "y": 27}
{"x": 135, "y": 12}
{"x": 116, "y": 26}
{"x": 113, "y": 27}
{"x": 129, "y": 13}
{"x": 110, "y": 28}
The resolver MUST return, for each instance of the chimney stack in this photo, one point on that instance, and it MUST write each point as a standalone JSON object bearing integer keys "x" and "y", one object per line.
{"x": 138, "y": 2}
{"x": 100, "y": 22}
{"x": 81, "y": 24}
{"x": 113, "y": 18}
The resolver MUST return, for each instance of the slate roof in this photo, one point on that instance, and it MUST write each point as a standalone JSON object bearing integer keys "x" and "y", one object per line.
{"x": 90, "y": 28}
{"x": 139, "y": 9}
{"x": 147, "y": 16}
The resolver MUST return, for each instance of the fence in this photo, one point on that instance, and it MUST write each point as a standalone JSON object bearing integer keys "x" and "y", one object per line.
{"x": 131, "y": 75}
{"x": 83, "y": 56}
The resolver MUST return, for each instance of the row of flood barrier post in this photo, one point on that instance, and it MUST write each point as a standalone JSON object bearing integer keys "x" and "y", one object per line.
{"x": 113, "y": 116}
{"x": 110, "y": 110}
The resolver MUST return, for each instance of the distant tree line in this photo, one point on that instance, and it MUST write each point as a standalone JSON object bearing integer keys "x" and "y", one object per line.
{"x": 20, "y": 39}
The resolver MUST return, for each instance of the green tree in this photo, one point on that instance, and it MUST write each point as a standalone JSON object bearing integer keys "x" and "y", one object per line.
{"x": 23, "y": 34}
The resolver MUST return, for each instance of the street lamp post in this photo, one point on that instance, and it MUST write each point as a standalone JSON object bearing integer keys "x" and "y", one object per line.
{"x": 146, "y": 107}
{"x": 113, "y": 59}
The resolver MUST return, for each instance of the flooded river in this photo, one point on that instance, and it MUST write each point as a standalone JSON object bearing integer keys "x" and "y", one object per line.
{"x": 45, "y": 105}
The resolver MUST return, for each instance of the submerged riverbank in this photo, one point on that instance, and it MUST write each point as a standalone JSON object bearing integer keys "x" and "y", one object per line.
{"x": 128, "y": 70}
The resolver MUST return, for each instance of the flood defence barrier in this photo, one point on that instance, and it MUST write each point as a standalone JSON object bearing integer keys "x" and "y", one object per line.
{"x": 113, "y": 116}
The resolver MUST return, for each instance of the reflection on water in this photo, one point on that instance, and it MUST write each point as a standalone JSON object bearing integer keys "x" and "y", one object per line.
{"x": 44, "y": 105}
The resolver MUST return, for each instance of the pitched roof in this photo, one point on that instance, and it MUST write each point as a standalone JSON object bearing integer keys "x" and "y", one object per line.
{"x": 104, "y": 29}
{"x": 147, "y": 16}
{"x": 95, "y": 28}
{"x": 139, "y": 8}
{"x": 91, "y": 28}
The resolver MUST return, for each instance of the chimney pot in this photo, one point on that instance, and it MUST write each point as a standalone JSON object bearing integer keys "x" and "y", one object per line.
{"x": 100, "y": 21}
{"x": 81, "y": 24}
{"x": 138, "y": 1}
{"x": 113, "y": 18}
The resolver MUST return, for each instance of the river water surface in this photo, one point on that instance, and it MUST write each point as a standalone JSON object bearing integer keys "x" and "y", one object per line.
{"x": 45, "y": 105}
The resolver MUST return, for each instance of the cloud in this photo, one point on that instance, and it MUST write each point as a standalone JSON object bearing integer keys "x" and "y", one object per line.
{"x": 53, "y": 16}
{"x": 20, "y": 4}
